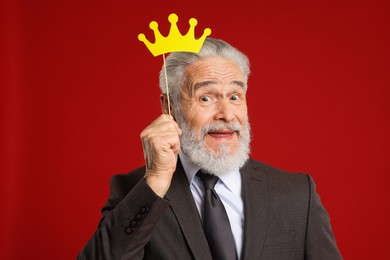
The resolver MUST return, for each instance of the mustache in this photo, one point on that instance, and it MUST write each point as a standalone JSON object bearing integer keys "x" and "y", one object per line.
{"x": 233, "y": 126}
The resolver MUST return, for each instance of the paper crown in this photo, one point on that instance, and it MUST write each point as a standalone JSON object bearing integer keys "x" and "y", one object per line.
{"x": 175, "y": 41}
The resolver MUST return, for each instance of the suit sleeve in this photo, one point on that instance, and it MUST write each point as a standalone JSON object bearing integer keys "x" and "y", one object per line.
{"x": 320, "y": 241}
{"x": 126, "y": 226}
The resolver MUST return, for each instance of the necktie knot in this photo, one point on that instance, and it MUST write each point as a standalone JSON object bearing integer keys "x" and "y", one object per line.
{"x": 208, "y": 180}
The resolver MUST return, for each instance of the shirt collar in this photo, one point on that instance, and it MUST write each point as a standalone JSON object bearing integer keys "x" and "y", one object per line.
{"x": 231, "y": 179}
{"x": 189, "y": 167}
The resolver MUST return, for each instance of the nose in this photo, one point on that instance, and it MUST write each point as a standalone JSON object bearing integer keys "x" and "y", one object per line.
{"x": 224, "y": 111}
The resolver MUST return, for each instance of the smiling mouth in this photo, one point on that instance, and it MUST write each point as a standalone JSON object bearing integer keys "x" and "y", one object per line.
{"x": 221, "y": 134}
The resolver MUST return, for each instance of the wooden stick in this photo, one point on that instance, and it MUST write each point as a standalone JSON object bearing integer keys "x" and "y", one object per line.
{"x": 166, "y": 85}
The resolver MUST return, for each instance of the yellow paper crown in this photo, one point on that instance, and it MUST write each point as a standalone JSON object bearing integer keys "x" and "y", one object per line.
{"x": 175, "y": 41}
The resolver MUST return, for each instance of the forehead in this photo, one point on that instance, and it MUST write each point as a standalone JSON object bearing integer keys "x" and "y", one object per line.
{"x": 213, "y": 68}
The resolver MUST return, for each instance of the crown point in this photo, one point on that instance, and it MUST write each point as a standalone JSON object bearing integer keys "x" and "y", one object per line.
{"x": 207, "y": 32}
{"x": 153, "y": 25}
{"x": 193, "y": 22}
{"x": 172, "y": 18}
{"x": 141, "y": 37}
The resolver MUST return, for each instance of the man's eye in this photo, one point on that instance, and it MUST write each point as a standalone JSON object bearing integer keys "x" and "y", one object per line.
{"x": 205, "y": 99}
{"x": 235, "y": 97}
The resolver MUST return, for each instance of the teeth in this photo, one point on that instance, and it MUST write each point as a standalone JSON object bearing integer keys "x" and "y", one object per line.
{"x": 227, "y": 132}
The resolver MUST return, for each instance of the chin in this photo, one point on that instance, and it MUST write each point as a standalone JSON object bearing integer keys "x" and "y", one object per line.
{"x": 223, "y": 149}
{"x": 214, "y": 145}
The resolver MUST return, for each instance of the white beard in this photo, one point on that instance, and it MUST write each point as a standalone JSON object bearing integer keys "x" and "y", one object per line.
{"x": 222, "y": 162}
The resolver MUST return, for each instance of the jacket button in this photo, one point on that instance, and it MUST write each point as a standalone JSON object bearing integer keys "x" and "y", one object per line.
{"x": 144, "y": 210}
{"x": 133, "y": 223}
{"x": 138, "y": 217}
{"x": 128, "y": 230}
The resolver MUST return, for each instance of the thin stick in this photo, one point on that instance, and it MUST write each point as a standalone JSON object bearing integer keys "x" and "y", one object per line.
{"x": 166, "y": 86}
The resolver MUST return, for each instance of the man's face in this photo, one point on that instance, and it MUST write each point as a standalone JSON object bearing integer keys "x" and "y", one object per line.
{"x": 214, "y": 93}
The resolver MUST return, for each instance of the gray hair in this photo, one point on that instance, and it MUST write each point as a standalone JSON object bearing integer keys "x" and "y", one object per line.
{"x": 177, "y": 62}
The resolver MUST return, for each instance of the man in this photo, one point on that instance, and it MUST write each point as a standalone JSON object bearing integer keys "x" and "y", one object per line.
{"x": 159, "y": 212}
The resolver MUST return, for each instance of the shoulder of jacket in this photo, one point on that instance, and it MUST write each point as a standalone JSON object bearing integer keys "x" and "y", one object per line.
{"x": 275, "y": 172}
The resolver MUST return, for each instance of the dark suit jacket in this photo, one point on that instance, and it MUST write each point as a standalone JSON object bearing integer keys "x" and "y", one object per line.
{"x": 284, "y": 219}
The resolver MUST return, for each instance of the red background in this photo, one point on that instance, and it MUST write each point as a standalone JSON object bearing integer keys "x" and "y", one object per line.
{"x": 77, "y": 88}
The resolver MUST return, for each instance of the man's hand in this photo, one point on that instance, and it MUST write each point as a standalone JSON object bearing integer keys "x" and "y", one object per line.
{"x": 161, "y": 144}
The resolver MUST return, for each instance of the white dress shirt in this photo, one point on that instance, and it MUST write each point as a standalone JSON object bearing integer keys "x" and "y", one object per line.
{"x": 228, "y": 189}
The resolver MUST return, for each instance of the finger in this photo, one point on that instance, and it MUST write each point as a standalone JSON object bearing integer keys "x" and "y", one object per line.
{"x": 161, "y": 128}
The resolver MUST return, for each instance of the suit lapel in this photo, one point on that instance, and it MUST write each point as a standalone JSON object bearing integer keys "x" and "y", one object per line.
{"x": 184, "y": 208}
{"x": 255, "y": 195}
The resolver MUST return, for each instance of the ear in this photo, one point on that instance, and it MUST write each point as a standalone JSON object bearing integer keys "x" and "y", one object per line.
{"x": 164, "y": 104}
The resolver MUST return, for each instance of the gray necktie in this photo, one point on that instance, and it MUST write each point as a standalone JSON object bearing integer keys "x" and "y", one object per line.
{"x": 216, "y": 222}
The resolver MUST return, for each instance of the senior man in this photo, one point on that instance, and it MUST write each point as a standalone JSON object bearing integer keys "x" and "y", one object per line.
{"x": 200, "y": 196}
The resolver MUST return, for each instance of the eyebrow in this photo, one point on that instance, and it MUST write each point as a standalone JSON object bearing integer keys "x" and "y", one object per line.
{"x": 212, "y": 82}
